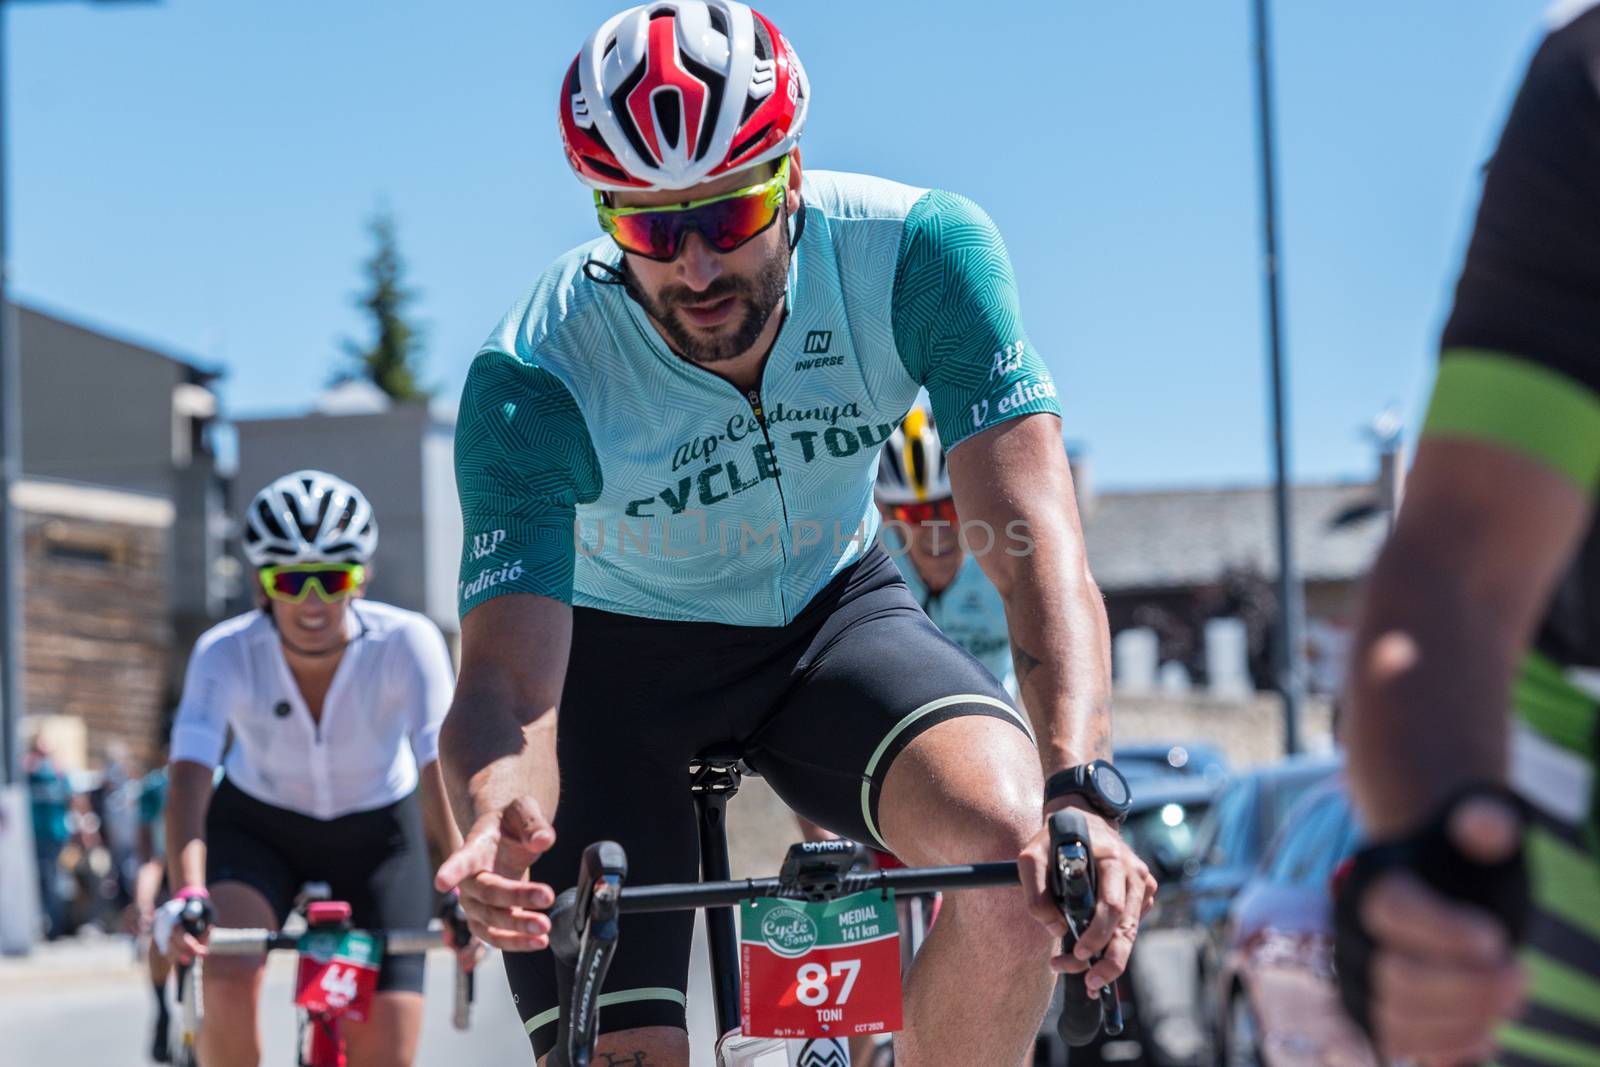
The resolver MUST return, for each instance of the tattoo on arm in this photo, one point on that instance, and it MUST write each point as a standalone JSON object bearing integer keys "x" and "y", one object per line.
{"x": 1023, "y": 662}
{"x": 634, "y": 1059}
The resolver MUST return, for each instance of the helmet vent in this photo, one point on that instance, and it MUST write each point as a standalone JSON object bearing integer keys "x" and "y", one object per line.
{"x": 749, "y": 142}
{"x": 668, "y": 105}
{"x": 270, "y": 521}
{"x": 616, "y": 174}
{"x": 719, "y": 21}
{"x": 714, "y": 83}
{"x": 619, "y": 105}
{"x": 750, "y": 105}
{"x": 346, "y": 515}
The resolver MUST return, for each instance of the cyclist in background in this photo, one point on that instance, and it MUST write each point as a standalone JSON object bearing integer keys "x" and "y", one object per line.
{"x": 932, "y": 551}
{"x": 334, "y": 704}
{"x": 1487, "y": 598}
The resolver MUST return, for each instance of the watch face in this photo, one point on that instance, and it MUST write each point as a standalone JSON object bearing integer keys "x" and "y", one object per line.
{"x": 1111, "y": 784}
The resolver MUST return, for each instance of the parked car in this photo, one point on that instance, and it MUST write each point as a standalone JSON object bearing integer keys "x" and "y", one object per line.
{"x": 1161, "y": 827}
{"x": 1230, "y": 842}
{"x": 1276, "y": 996}
{"x": 1184, "y": 759}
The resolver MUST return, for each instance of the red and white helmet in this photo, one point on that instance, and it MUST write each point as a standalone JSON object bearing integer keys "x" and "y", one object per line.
{"x": 667, "y": 95}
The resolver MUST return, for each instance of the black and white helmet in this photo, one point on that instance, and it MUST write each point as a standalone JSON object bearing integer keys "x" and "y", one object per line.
{"x": 911, "y": 467}
{"x": 309, "y": 517}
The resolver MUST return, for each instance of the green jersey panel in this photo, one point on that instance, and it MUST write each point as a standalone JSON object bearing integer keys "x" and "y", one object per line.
{"x": 958, "y": 321}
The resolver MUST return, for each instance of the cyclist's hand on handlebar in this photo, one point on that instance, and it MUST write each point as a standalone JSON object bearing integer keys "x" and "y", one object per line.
{"x": 469, "y": 953}
{"x": 1127, "y": 889}
{"x": 1443, "y": 973}
{"x": 504, "y": 907}
{"x": 180, "y": 927}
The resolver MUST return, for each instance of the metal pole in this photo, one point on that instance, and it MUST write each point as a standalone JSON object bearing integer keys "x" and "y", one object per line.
{"x": 1291, "y": 606}
{"x": 10, "y": 474}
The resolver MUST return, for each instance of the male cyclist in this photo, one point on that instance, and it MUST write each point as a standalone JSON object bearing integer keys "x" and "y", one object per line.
{"x": 931, "y": 548}
{"x": 1485, "y": 599}
{"x": 334, "y": 704}
{"x": 665, "y": 457}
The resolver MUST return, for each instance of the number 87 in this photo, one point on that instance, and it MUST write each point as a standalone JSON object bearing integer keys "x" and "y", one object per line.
{"x": 813, "y": 982}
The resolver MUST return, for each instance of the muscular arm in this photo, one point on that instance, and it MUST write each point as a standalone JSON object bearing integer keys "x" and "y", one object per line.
{"x": 1452, "y": 603}
{"x": 498, "y": 742}
{"x": 1509, "y": 460}
{"x": 188, "y": 796}
{"x": 1014, "y": 478}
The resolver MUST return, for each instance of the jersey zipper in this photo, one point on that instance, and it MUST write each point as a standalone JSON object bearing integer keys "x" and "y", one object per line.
{"x": 754, "y": 397}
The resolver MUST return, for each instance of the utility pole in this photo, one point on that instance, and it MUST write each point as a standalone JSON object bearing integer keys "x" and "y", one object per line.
{"x": 1291, "y": 604}
{"x": 1387, "y": 432}
{"x": 10, "y": 474}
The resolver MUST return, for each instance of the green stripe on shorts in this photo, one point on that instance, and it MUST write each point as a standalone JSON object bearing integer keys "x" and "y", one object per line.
{"x": 904, "y": 724}
{"x": 1500, "y": 398}
{"x": 607, "y": 1000}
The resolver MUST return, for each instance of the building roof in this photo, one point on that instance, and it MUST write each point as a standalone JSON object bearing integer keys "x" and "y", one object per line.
{"x": 196, "y": 372}
{"x": 1183, "y": 538}
{"x": 97, "y": 503}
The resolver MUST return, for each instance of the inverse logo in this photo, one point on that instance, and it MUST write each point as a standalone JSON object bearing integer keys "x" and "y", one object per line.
{"x": 817, "y": 341}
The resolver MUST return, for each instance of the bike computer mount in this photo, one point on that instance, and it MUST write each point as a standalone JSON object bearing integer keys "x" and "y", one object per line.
{"x": 816, "y": 870}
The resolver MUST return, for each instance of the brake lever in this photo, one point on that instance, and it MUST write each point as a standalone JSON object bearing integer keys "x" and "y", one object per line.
{"x": 583, "y": 937}
{"x": 1072, "y": 883}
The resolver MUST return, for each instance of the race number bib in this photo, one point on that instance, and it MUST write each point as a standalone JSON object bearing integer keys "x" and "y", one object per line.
{"x": 820, "y": 970}
{"x": 338, "y": 972}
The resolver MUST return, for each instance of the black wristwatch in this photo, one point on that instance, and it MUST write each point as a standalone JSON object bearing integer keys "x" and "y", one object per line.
{"x": 1097, "y": 782}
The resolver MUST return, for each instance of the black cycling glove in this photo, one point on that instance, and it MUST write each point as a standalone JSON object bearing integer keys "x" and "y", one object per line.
{"x": 1501, "y": 889}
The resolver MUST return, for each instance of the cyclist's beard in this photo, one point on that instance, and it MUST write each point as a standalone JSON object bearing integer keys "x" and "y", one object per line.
{"x": 760, "y": 296}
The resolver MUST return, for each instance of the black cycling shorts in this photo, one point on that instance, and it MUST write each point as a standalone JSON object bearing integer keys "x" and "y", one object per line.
{"x": 376, "y": 861}
{"x": 819, "y": 707}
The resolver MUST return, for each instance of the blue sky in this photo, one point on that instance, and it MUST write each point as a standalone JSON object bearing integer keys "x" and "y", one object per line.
{"x": 198, "y": 175}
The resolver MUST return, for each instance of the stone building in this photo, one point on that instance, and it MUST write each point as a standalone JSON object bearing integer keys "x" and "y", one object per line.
{"x": 97, "y": 633}
{"x": 123, "y": 529}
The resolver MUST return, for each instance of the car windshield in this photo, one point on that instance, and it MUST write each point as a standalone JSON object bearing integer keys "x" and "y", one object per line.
{"x": 1289, "y": 788}
{"x": 1143, "y": 763}
{"x": 1167, "y": 829}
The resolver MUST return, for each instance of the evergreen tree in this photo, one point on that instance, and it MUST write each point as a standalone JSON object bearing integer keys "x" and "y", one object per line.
{"x": 392, "y": 360}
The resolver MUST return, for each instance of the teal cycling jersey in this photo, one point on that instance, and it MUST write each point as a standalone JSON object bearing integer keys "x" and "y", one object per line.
{"x": 597, "y": 467}
{"x": 970, "y": 612}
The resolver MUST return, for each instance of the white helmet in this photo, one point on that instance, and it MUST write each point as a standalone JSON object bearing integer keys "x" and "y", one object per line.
{"x": 670, "y": 94}
{"x": 309, "y": 517}
{"x": 911, "y": 467}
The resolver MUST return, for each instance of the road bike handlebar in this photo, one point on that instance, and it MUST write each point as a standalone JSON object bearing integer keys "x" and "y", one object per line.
{"x": 584, "y": 923}
{"x": 905, "y": 881}
{"x": 246, "y": 941}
